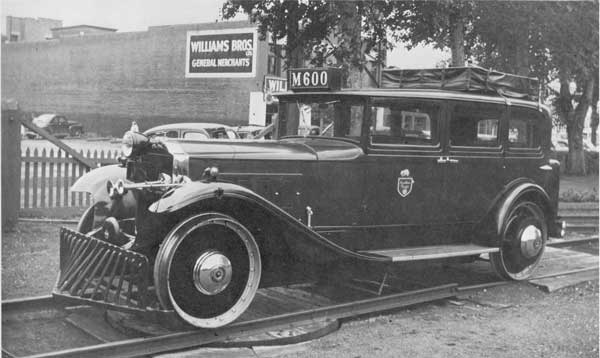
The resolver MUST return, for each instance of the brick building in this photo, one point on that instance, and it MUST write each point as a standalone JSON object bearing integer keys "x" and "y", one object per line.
{"x": 27, "y": 29}
{"x": 107, "y": 80}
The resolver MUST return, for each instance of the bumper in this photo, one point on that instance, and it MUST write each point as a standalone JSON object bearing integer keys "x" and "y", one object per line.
{"x": 557, "y": 229}
{"x": 95, "y": 272}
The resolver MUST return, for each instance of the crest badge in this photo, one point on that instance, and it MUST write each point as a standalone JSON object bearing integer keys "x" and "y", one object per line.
{"x": 405, "y": 183}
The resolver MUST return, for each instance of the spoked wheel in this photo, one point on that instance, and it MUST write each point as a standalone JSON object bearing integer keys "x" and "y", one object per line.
{"x": 208, "y": 270}
{"x": 523, "y": 241}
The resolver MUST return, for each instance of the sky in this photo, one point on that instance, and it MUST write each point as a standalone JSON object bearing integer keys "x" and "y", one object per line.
{"x": 138, "y": 15}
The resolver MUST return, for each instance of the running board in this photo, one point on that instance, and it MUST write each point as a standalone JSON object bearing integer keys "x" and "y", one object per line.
{"x": 432, "y": 252}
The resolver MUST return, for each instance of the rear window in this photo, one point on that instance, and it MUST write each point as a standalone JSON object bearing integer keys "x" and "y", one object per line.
{"x": 195, "y": 135}
{"x": 524, "y": 128}
{"x": 475, "y": 125}
{"x": 402, "y": 121}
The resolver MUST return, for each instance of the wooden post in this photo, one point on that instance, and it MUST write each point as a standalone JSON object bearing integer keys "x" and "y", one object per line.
{"x": 11, "y": 163}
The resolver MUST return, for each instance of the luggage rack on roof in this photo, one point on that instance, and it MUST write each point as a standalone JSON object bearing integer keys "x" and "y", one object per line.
{"x": 465, "y": 79}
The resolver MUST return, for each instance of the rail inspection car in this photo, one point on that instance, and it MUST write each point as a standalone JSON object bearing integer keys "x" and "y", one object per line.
{"x": 438, "y": 165}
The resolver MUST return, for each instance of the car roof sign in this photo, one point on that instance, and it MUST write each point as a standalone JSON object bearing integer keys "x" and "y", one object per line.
{"x": 310, "y": 79}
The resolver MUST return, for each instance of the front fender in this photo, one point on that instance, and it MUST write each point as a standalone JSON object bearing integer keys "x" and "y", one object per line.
{"x": 94, "y": 182}
{"x": 199, "y": 193}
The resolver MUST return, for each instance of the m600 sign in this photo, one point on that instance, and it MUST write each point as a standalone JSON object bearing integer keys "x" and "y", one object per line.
{"x": 305, "y": 79}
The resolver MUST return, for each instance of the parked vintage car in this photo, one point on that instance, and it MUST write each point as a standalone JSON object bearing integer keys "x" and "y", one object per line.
{"x": 392, "y": 175}
{"x": 249, "y": 132}
{"x": 193, "y": 130}
{"x": 56, "y": 125}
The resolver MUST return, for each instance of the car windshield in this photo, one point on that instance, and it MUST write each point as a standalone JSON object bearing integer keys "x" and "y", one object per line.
{"x": 323, "y": 116}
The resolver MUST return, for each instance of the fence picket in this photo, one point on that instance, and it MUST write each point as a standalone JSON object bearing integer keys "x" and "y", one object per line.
{"x": 66, "y": 185}
{"x": 73, "y": 175}
{"x": 51, "y": 176}
{"x": 58, "y": 178}
{"x": 43, "y": 182}
{"x": 35, "y": 181}
{"x": 26, "y": 181}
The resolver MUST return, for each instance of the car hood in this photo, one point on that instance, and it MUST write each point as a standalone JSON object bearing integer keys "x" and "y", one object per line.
{"x": 310, "y": 148}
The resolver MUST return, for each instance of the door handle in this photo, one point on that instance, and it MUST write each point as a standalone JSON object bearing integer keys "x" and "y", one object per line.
{"x": 453, "y": 161}
{"x": 442, "y": 160}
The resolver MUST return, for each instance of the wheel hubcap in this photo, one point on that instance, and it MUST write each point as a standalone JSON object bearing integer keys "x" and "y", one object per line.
{"x": 212, "y": 273}
{"x": 531, "y": 241}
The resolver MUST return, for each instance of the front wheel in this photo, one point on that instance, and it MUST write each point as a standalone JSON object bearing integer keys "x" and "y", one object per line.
{"x": 208, "y": 270}
{"x": 522, "y": 244}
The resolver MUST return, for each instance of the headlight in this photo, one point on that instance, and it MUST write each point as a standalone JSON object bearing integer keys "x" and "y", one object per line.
{"x": 132, "y": 142}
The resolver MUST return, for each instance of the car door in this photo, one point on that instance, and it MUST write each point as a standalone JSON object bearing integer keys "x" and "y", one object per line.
{"x": 405, "y": 180}
{"x": 61, "y": 126}
{"x": 525, "y": 147}
{"x": 474, "y": 161}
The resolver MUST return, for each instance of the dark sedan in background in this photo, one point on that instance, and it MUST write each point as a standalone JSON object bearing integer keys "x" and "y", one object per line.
{"x": 56, "y": 125}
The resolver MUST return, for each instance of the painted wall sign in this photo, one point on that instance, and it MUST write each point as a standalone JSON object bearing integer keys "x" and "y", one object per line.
{"x": 274, "y": 84}
{"x": 221, "y": 53}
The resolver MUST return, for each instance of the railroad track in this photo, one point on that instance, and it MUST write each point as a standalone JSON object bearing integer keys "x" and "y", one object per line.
{"x": 85, "y": 332}
{"x": 580, "y": 217}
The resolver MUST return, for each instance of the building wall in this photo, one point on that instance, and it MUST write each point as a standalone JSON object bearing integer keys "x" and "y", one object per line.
{"x": 30, "y": 29}
{"x": 79, "y": 31}
{"x": 105, "y": 81}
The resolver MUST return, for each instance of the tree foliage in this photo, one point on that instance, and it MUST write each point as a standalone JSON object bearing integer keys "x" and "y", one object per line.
{"x": 320, "y": 32}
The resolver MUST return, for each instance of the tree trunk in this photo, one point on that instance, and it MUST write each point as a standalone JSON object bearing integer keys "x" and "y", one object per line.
{"x": 576, "y": 157}
{"x": 294, "y": 51}
{"x": 351, "y": 53}
{"x": 522, "y": 57}
{"x": 594, "y": 123}
{"x": 457, "y": 39}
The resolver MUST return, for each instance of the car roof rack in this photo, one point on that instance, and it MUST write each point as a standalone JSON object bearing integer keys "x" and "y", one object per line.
{"x": 471, "y": 79}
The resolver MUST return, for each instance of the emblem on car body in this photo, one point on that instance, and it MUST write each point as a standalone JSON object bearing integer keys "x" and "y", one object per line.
{"x": 405, "y": 183}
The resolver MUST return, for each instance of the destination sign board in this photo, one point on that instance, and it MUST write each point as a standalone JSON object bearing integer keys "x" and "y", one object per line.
{"x": 221, "y": 53}
{"x": 306, "y": 79}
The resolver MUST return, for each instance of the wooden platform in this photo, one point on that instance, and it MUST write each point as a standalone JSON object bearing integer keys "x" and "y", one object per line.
{"x": 582, "y": 267}
{"x": 432, "y": 252}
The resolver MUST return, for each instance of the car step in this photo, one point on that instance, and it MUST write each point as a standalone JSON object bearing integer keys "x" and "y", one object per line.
{"x": 432, "y": 252}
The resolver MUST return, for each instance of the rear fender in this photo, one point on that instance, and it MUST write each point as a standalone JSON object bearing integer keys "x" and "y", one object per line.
{"x": 519, "y": 189}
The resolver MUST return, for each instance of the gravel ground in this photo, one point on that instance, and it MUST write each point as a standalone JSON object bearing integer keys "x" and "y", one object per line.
{"x": 516, "y": 320}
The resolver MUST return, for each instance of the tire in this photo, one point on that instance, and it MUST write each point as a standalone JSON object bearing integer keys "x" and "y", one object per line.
{"x": 524, "y": 236}
{"x": 76, "y": 132}
{"x": 86, "y": 221}
{"x": 208, "y": 270}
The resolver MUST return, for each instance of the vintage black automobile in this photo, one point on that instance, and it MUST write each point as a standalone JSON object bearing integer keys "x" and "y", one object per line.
{"x": 438, "y": 165}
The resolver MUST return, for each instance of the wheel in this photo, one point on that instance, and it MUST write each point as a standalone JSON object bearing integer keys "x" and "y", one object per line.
{"x": 208, "y": 270}
{"x": 86, "y": 222}
{"x": 76, "y": 132}
{"x": 109, "y": 229}
{"x": 524, "y": 235}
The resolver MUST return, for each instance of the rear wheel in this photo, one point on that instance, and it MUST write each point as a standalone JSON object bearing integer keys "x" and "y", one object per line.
{"x": 524, "y": 236}
{"x": 208, "y": 270}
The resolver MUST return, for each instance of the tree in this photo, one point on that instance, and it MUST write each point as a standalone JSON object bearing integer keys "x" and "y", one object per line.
{"x": 440, "y": 23}
{"x": 549, "y": 40}
{"x": 319, "y": 32}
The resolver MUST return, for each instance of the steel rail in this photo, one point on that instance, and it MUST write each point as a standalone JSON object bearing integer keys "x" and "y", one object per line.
{"x": 570, "y": 242}
{"x": 29, "y": 304}
{"x": 195, "y": 338}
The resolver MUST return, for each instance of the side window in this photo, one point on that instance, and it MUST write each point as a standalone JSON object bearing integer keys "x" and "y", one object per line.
{"x": 524, "y": 128}
{"x": 195, "y": 135}
{"x": 172, "y": 134}
{"x": 475, "y": 125}
{"x": 402, "y": 121}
